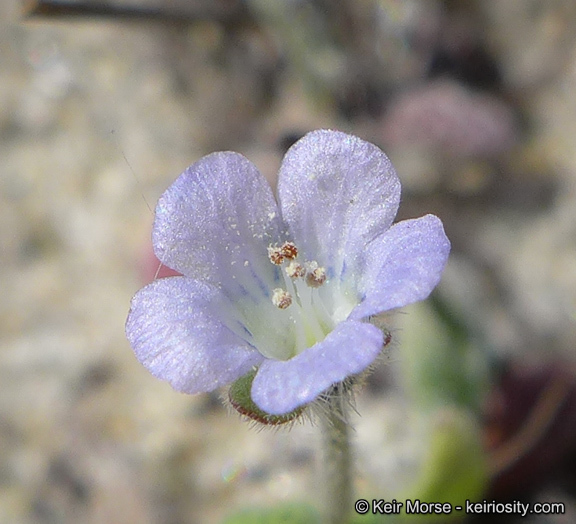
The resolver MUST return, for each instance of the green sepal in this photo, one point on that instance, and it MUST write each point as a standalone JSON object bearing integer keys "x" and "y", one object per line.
{"x": 241, "y": 400}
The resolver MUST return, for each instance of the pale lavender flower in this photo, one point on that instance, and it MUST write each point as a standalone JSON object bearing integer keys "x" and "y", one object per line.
{"x": 286, "y": 287}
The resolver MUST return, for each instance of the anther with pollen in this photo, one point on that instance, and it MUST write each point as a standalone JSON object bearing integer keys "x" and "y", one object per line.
{"x": 289, "y": 250}
{"x": 315, "y": 276}
{"x": 281, "y": 298}
{"x": 295, "y": 270}
{"x": 277, "y": 255}
{"x": 312, "y": 275}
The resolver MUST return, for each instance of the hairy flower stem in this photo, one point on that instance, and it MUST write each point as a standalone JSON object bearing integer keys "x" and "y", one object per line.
{"x": 338, "y": 494}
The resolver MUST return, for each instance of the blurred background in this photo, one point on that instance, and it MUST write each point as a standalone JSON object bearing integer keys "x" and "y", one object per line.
{"x": 102, "y": 105}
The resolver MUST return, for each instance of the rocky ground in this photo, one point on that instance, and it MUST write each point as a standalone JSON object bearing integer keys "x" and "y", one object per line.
{"x": 474, "y": 103}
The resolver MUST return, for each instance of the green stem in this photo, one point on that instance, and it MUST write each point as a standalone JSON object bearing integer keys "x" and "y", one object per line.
{"x": 338, "y": 484}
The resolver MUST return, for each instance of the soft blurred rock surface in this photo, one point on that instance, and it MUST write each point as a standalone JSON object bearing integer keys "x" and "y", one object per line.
{"x": 98, "y": 117}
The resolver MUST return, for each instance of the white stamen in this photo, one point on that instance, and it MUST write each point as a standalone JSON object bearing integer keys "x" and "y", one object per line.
{"x": 311, "y": 319}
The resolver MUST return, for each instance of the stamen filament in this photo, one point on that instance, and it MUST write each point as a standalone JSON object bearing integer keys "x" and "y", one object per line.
{"x": 308, "y": 314}
{"x": 320, "y": 307}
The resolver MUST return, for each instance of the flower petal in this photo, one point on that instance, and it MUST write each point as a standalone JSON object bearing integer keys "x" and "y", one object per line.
{"x": 180, "y": 331}
{"x": 281, "y": 386}
{"x": 215, "y": 222}
{"x": 337, "y": 193}
{"x": 403, "y": 266}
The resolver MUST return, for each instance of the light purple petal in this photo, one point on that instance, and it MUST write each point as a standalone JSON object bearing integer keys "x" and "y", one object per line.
{"x": 281, "y": 386}
{"x": 403, "y": 266}
{"x": 181, "y": 331}
{"x": 337, "y": 193}
{"x": 215, "y": 222}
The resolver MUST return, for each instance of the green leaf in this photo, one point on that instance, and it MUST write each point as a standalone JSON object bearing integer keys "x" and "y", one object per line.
{"x": 455, "y": 466}
{"x": 452, "y": 470}
{"x": 286, "y": 514}
{"x": 440, "y": 364}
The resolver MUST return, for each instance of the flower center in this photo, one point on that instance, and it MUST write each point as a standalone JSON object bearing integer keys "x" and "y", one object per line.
{"x": 300, "y": 296}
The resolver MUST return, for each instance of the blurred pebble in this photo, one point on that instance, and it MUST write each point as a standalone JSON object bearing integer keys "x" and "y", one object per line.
{"x": 445, "y": 116}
